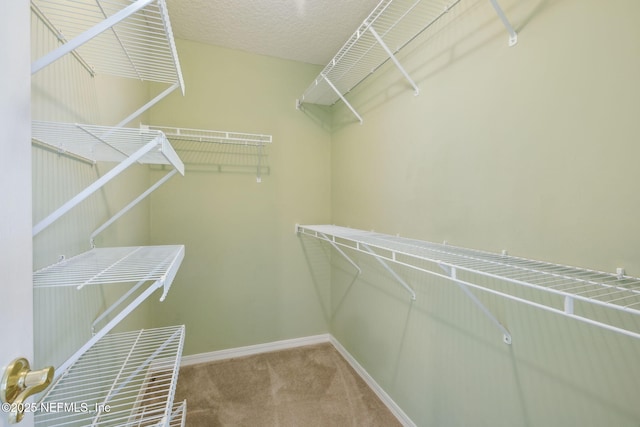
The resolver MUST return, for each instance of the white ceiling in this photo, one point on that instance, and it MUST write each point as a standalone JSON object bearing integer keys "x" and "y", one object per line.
{"x": 302, "y": 30}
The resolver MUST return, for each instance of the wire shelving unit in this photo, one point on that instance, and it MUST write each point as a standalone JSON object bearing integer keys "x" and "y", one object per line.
{"x": 149, "y": 268}
{"x": 221, "y": 151}
{"x": 124, "y": 38}
{"x": 391, "y": 26}
{"x": 91, "y": 143}
{"x": 576, "y": 293}
{"x": 124, "y": 379}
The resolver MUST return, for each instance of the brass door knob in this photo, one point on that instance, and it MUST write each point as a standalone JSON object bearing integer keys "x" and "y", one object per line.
{"x": 19, "y": 382}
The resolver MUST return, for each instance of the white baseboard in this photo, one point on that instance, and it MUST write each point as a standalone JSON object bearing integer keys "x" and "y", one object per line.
{"x": 300, "y": 342}
{"x": 253, "y": 349}
{"x": 382, "y": 395}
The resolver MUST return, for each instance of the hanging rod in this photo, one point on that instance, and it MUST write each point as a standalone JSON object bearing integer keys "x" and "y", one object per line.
{"x": 607, "y": 291}
{"x": 57, "y": 150}
{"x": 61, "y": 37}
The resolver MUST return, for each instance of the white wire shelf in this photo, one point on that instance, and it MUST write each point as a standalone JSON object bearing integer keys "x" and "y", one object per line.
{"x": 105, "y": 143}
{"x": 391, "y": 26}
{"x": 101, "y": 266}
{"x": 124, "y": 38}
{"x": 124, "y": 379}
{"x": 571, "y": 287}
{"x": 93, "y": 143}
{"x": 213, "y": 136}
{"x": 221, "y": 151}
{"x": 148, "y": 268}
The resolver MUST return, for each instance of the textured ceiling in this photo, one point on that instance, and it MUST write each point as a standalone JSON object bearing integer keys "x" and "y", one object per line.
{"x": 302, "y": 30}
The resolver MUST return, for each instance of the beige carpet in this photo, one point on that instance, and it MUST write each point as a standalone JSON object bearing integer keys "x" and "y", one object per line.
{"x": 305, "y": 386}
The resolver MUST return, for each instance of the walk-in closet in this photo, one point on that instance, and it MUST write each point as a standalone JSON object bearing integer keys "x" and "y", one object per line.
{"x": 302, "y": 213}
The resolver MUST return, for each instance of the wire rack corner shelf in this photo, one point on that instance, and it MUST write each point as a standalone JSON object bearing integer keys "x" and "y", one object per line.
{"x": 221, "y": 151}
{"x": 123, "y": 38}
{"x": 92, "y": 143}
{"x": 124, "y": 379}
{"x": 576, "y": 293}
{"x": 149, "y": 268}
{"x": 390, "y": 27}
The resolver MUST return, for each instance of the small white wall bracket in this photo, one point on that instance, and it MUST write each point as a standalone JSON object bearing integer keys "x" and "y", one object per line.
{"x": 513, "y": 36}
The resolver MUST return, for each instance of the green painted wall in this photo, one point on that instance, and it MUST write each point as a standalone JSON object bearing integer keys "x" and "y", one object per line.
{"x": 532, "y": 149}
{"x": 244, "y": 279}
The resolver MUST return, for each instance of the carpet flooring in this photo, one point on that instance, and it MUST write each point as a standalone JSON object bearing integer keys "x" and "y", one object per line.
{"x": 305, "y": 386}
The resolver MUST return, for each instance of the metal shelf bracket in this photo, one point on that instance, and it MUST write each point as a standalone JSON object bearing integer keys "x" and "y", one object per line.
{"x": 99, "y": 183}
{"x": 389, "y": 269}
{"x": 149, "y": 104}
{"x": 125, "y": 146}
{"x": 340, "y": 251}
{"x": 332, "y": 242}
{"x": 416, "y": 90}
{"x": 513, "y": 36}
{"x": 130, "y": 206}
{"x": 335, "y": 89}
{"x": 451, "y": 272}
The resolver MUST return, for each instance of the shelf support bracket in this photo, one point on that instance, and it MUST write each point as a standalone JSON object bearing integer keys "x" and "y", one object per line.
{"x": 113, "y": 306}
{"x": 36, "y": 10}
{"x": 148, "y": 105}
{"x": 78, "y": 41}
{"x": 513, "y": 36}
{"x": 451, "y": 272}
{"x": 322, "y": 236}
{"x": 340, "y": 251}
{"x": 416, "y": 90}
{"x": 99, "y": 183}
{"x": 164, "y": 283}
{"x": 106, "y": 329}
{"x": 335, "y": 89}
{"x": 133, "y": 203}
{"x": 390, "y": 270}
